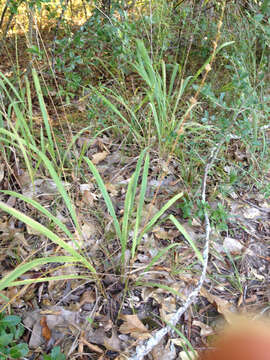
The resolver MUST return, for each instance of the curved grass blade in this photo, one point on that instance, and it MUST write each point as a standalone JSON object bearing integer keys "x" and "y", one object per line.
{"x": 48, "y": 233}
{"x": 23, "y": 268}
{"x": 47, "y": 279}
{"x": 159, "y": 255}
{"x": 158, "y": 285}
{"x": 41, "y": 209}
{"x": 106, "y": 197}
{"x": 155, "y": 218}
{"x": 188, "y": 238}
{"x": 129, "y": 201}
{"x": 140, "y": 205}
{"x": 53, "y": 174}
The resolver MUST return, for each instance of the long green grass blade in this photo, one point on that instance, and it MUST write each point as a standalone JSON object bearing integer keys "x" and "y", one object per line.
{"x": 140, "y": 205}
{"x": 127, "y": 214}
{"x": 23, "y": 268}
{"x": 48, "y": 233}
{"x": 54, "y": 175}
{"x": 130, "y": 199}
{"x": 12, "y": 87}
{"x": 48, "y": 278}
{"x": 118, "y": 113}
{"x": 106, "y": 196}
{"x": 159, "y": 255}
{"x": 23, "y": 147}
{"x": 155, "y": 218}
{"x": 42, "y": 210}
{"x": 158, "y": 285}
{"x": 187, "y": 237}
{"x": 44, "y": 114}
{"x": 23, "y": 125}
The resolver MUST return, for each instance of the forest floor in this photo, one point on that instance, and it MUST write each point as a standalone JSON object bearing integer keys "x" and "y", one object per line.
{"x": 127, "y": 287}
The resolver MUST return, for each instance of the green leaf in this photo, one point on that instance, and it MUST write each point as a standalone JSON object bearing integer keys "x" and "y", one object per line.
{"x": 55, "y": 354}
{"x": 18, "y": 333}
{"x": 6, "y": 339}
{"x": 10, "y": 320}
{"x": 4, "y": 351}
{"x": 19, "y": 351}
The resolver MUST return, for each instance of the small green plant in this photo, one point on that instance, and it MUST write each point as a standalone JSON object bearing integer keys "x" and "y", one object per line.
{"x": 11, "y": 330}
{"x": 123, "y": 228}
{"x": 55, "y": 354}
{"x": 186, "y": 206}
{"x": 219, "y": 217}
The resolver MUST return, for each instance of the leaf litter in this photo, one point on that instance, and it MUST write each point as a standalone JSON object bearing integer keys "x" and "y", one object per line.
{"x": 112, "y": 323}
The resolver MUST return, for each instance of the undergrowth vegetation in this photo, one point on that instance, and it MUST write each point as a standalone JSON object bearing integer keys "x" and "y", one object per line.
{"x": 109, "y": 117}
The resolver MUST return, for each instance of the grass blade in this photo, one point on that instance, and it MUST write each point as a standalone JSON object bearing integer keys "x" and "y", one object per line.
{"x": 44, "y": 114}
{"x": 159, "y": 214}
{"x": 140, "y": 205}
{"x": 187, "y": 237}
{"x": 48, "y": 233}
{"x": 8, "y": 280}
{"x": 106, "y": 196}
{"x": 42, "y": 210}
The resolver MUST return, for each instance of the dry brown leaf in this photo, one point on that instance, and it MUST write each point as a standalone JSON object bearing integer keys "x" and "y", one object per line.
{"x": 24, "y": 179}
{"x": 97, "y": 158}
{"x": 36, "y": 338}
{"x": 223, "y": 306}
{"x": 133, "y": 326}
{"x": 13, "y": 293}
{"x": 92, "y": 347}
{"x": 233, "y": 246}
{"x": 32, "y": 231}
{"x": 112, "y": 189}
{"x": 168, "y": 308}
{"x": 251, "y": 213}
{"x": 88, "y": 297}
{"x": 160, "y": 233}
{"x": 89, "y": 229}
{"x": 97, "y": 337}
{"x": 163, "y": 352}
{"x": 120, "y": 357}
{"x": 113, "y": 343}
{"x": 58, "y": 316}
{"x": 206, "y": 330}
{"x": 88, "y": 197}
